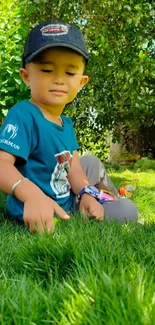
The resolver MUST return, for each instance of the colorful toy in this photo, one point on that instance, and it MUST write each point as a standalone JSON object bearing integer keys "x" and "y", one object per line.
{"x": 126, "y": 190}
{"x": 107, "y": 196}
{"x": 123, "y": 191}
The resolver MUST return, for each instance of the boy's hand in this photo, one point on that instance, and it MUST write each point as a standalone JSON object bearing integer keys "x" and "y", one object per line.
{"x": 90, "y": 207}
{"x": 39, "y": 211}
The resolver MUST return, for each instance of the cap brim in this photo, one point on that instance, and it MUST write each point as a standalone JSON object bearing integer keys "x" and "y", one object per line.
{"x": 70, "y": 46}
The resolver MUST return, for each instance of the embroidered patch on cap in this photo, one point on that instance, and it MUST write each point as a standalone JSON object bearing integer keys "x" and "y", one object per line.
{"x": 54, "y": 29}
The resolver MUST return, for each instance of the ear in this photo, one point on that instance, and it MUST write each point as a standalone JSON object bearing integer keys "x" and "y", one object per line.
{"x": 84, "y": 81}
{"x": 25, "y": 76}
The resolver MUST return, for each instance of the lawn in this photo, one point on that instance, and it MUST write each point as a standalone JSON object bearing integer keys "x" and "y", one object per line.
{"x": 86, "y": 273}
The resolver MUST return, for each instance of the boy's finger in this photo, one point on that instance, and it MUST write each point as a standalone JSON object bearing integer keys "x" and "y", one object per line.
{"x": 60, "y": 212}
{"x": 50, "y": 225}
{"x": 83, "y": 211}
{"x": 36, "y": 227}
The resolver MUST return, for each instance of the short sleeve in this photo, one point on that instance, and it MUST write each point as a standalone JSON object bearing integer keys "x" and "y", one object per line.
{"x": 17, "y": 133}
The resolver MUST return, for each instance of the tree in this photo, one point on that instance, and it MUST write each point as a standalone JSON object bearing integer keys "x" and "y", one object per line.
{"x": 121, "y": 69}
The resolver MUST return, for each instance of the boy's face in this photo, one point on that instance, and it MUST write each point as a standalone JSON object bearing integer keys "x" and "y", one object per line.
{"x": 55, "y": 78}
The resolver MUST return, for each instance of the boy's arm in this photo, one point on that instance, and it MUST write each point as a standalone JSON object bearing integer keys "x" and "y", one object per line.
{"x": 9, "y": 175}
{"x": 76, "y": 176}
{"x": 38, "y": 208}
{"x": 88, "y": 205}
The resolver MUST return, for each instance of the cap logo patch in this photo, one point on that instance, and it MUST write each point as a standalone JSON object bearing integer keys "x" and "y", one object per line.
{"x": 54, "y": 29}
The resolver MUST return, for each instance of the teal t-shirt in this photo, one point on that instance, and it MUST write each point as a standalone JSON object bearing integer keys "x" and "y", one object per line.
{"x": 44, "y": 153}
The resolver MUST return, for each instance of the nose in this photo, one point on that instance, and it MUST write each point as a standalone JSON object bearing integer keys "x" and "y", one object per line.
{"x": 58, "y": 79}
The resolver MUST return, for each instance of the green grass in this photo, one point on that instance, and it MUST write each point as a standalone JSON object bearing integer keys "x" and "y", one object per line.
{"x": 86, "y": 273}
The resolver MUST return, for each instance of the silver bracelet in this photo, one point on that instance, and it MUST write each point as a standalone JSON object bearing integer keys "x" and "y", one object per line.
{"x": 15, "y": 185}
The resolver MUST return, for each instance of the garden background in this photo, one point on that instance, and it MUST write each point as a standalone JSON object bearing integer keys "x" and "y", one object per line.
{"x": 87, "y": 272}
{"x": 120, "y": 95}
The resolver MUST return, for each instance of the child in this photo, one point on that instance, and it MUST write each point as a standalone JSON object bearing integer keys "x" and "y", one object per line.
{"x": 39, "y": 164}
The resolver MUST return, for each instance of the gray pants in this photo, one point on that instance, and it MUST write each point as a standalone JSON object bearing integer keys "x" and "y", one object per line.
{"x": 121, "y": 209}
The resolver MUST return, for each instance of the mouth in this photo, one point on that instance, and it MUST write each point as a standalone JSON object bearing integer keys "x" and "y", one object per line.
{"x": 58, "y": 91}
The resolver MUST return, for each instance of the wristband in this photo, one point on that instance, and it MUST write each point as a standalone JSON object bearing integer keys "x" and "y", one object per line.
{"x": 15, "y": 185}
{"x": 92, "y": 191}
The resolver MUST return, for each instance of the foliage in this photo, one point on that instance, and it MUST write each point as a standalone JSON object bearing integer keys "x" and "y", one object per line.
{"x": 12, "y": 32}
{"x": 123, "y": 81}
{"x": 121, "y": 45}
{"x": 145, "y": 164}
{"x": 94, "y": 142}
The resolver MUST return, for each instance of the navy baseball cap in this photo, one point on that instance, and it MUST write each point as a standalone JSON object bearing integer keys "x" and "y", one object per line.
{"x": 54, "y": 33}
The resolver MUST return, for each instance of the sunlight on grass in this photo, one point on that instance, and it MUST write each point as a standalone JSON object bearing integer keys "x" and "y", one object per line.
{"x": 144, "y": 195}
{"x": 85, "y": 273}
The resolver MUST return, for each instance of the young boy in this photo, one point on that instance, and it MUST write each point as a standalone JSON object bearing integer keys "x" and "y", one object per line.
{"x": 39, "y": 164}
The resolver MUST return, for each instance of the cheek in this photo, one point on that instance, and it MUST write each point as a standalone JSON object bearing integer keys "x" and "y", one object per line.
{"x": 75, "y": 85}
{"x": 35, "y": 76}
{"x": 38, "y": 81}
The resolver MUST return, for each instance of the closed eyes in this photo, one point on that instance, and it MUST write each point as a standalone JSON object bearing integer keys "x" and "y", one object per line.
{"x": 70, "y": 73}
{"x": 48, "y": 71}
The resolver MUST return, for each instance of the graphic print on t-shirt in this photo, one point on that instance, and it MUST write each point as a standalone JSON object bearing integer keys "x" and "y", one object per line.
{"x": 59, "y": 181}
{"x": 10, "y": 131}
